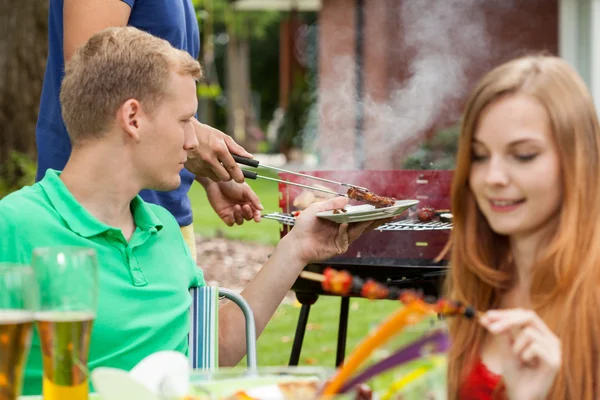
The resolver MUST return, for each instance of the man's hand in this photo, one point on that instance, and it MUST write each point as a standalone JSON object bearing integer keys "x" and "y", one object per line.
{"x": 234, "y": 202}
{"x": 316, "y": 239}
{"x": 212, "y": 157}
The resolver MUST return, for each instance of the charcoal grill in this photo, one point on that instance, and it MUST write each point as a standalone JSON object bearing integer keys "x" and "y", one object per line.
{"x": 400, "y": 253}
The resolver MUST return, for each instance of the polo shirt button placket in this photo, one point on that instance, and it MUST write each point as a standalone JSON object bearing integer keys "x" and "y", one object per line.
{"x": 136, "y": 272}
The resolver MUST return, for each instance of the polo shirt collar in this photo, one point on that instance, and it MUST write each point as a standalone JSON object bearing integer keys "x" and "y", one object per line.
{"x": 80, "y": 220}
{"x": 143, "y": 216}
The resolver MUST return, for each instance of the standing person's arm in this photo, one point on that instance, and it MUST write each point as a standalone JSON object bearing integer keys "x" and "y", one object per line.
{"x": 83, "y": 18}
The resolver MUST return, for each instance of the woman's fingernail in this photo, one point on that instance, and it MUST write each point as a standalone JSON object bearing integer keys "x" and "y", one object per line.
{"x": 260, "y": 207}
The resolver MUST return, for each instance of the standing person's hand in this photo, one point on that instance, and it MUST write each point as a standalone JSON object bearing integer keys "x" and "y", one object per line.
{"x": 233, "y": 202}
{"x": 532, "y": 352}
{"x": 212, "y": 158}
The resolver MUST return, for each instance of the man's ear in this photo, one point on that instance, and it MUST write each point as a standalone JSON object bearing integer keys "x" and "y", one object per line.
{"x": 129, "y": 117}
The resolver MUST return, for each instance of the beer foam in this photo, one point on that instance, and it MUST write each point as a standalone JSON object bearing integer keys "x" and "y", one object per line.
{"x": 64, "y": 316}
{"x": 11, "y": 316}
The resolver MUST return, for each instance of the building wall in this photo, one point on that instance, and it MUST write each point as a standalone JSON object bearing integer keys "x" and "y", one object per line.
{"x": 420, "y": 59}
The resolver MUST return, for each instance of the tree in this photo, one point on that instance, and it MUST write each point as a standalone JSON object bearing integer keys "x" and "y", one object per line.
{"x": 236, "y": 33}
{"x": 23, "y": 51}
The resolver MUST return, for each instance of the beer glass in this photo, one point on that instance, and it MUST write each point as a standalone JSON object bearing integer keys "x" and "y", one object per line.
{"x": 17, "y": 294}
{"x": 67, "y": 278}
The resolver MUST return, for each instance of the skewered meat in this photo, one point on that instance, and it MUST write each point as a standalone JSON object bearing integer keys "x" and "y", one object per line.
{"x": 370, "y": 198}
{"x": 343, "y": 283}
{"x": 426, "y": 214}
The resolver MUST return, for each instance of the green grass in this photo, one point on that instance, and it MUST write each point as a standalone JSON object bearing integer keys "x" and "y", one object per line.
{"x": 207, "y": 223}
{"x": 320, "y": 341}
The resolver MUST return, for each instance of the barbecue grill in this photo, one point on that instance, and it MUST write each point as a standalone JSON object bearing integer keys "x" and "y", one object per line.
{"x": 400, "y": 253}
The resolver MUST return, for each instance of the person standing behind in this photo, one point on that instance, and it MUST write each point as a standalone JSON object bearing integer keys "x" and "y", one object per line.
{"x": 71, "y": 23}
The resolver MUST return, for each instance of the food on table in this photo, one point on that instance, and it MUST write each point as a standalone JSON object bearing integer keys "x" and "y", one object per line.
{"x": 294, "y": 390}
{"x": 368, "y": 197}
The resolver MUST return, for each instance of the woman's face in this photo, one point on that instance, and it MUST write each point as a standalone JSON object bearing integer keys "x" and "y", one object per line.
{"x": 515, "y": 173}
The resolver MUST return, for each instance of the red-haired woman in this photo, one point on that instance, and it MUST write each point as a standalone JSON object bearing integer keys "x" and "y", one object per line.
{"x": 526, "y": 237}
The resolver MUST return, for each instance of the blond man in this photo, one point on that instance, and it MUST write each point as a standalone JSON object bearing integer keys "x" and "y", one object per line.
{"x": 128, "y": 100}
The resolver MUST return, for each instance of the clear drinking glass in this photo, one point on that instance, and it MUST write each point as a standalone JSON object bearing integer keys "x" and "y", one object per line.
{"x": 17, "y": 297}
{"x": 67, "y": 278}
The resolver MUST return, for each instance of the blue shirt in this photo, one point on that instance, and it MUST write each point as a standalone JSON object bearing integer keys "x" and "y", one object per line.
{"x": 172, "y": 20}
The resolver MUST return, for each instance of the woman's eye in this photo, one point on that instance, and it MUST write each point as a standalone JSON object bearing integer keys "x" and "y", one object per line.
{"x": 477, "y": 157}
{"x": 526, "y": 157}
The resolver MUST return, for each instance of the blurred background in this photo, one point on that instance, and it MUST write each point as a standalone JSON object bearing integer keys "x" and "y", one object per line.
{"x": 338, "y": 84}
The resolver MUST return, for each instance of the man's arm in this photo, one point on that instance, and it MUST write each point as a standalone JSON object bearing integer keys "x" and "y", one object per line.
{"x": 84, "y": 18}
{"x": 310, "y": 240}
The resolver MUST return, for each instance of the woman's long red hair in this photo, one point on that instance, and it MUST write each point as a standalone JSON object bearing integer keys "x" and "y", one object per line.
{"x": 565, "y": 289}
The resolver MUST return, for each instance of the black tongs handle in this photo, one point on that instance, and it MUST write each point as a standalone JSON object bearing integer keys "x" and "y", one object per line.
{"x": 245, "y": 161}
{"x": 249, "y": 174}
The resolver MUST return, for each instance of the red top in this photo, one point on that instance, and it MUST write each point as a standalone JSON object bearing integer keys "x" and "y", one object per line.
{"x": 480, "y": 384}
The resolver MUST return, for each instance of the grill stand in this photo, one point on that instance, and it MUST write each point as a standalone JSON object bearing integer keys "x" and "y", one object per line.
{"x": 307, "y": 300}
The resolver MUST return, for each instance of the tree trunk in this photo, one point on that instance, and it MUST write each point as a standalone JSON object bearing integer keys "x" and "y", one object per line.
{"x": 238, "y": 87}
{"x": 23, "y": 51}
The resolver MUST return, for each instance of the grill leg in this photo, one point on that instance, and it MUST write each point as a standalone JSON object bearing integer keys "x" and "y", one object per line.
{"x": 299, "y": 336}
{"x": 342, "y": 331}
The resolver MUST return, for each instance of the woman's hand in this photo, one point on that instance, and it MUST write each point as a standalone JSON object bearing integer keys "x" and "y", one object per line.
{"x": 531, "y": 352}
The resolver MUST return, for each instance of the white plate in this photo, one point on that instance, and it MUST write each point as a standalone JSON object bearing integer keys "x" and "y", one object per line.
{"x": 367, "y": 212}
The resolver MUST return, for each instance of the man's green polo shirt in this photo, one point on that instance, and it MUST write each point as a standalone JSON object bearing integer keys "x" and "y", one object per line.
{"x": 143, "y": 298}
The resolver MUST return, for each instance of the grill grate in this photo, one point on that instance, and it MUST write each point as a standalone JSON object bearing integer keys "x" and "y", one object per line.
{"x": 410, "y": 224}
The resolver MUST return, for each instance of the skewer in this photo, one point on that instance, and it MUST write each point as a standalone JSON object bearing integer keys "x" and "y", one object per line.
{"x": 344, "y": 283}
{"x": 313, "y": 276}
{"x": 255, "y": 163}
{"x": 254, "y": 175}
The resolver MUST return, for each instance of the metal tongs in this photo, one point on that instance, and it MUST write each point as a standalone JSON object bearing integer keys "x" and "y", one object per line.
{"x": 256, "y": 164}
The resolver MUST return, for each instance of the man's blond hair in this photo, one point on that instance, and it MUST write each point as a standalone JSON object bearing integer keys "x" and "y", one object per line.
{"x": 115, "y": 65}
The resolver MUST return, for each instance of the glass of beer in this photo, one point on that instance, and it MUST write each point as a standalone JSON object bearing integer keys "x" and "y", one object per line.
{"x": 17, "y": 296}
{"x": 67, "y": 278}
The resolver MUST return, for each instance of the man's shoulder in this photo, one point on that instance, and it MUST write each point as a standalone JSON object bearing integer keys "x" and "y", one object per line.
{"x": 24, "y": 204}
{"x": 164, "y": 215}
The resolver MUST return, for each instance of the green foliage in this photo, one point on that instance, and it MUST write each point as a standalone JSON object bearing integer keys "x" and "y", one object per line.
{"x": 16, "y": 172}
{"x": 247, "y": 24}
{"x": 296, "y": 116}
{"x": 437, "y": 153}
{"x": 209, "y": 91}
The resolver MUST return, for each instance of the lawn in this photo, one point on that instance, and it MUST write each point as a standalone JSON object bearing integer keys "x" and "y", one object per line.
{"x": 320, "y": 341}
{"x": 274, "y": 345}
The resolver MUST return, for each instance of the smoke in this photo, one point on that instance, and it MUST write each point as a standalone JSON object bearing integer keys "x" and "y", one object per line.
{"x": 443, "y": 38}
